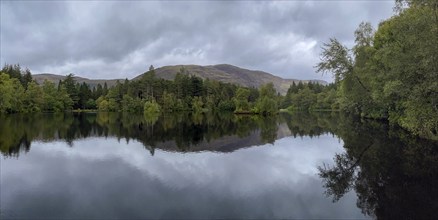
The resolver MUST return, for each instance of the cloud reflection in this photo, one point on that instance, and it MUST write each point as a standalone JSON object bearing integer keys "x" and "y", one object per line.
{"x": 101, "y": 178}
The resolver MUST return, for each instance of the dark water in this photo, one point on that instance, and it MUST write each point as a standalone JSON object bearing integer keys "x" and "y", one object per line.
{"x": 100, "y": 166}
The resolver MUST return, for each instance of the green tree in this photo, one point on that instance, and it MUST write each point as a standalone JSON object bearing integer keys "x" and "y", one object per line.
{"x": 50, "y": 100}
{"x": 26, "y": 78}
{"x": 151, "y": 107}
{"x": 168, "y": 102}
{"x": 70, "y": 85}
{"x": 305, "y": 99}
{"x": 130, "y": 104}
{"x": 102, "y": 104}
{"x": 267, "y": 103}
{"x": 197, "y": 105}
{"x": 241, "y": 100}
{"x": 64, "y": 99}
{"x": 84, "y": 95}
{"x": 14, "y": 71}
{"x": 33, "y": 99}
{"x": 391, "y": 73}
{"x": 6, "y": 93}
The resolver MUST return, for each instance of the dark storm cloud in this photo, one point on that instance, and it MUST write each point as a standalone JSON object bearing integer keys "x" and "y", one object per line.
{"x": 121, "y": 39}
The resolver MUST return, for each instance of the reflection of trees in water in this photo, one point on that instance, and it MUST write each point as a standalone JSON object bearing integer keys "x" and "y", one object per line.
{"x": 184, "y": 130}
{"x": 394, "y": 174}
{"x": 312, "y": 124}
{"x": 18, "y": 131}
{"x": 268, "y": 128}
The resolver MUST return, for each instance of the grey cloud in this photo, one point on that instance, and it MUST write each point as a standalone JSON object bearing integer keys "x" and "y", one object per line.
{"x": 121, "y": 39}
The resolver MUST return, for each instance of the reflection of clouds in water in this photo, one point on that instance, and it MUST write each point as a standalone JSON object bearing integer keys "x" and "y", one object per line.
{"x": 263, "y": 181}
{"x": 299, "y": 157}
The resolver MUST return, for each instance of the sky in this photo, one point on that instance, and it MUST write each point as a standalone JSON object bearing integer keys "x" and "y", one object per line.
{"x": 121, "y": 39}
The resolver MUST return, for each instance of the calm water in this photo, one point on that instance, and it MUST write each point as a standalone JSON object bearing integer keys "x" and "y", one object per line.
{"x": 126, "y": 166}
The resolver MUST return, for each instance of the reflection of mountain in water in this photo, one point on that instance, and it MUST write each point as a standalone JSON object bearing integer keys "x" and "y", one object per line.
{"x": 175, "y": 132}
{"x": 393, "y": 173}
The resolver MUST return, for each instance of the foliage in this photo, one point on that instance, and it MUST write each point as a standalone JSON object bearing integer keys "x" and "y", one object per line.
{"x": 55, "y": 100}
{"x": 151, "y": 107}
{"x": 185, "y": 93}
{"x": 391, "y": 73}
{"x": 241, "y": 100}
{"x": 310, "y": 96}
{"x": 197, "y": 105}
{"x": 6, "y": 93}
{"x": 267, "y": 103}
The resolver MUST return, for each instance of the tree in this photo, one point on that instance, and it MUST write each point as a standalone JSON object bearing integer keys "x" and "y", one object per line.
{"x": 50, "y": 94}
{"x": 105, "y": 89}
{"x": 6, "y": 93}
{"x": 197, "y": 105}
{"x": 84, "y": 95}
{"x": 70, "y": 85}
{"x": 268, "y": 91}
{"x": 64, "y": 99}
{"x": 241, "y": 100}
{"x": 349, "y": 72}
{"x": 391, "y": 73}
{"x": 267, "y": 102}
{"x": 102, "y": 104}
{"x": 151, "y": 107}
{"x": 197, "y": 86}
{"x": 33, "y": 97}
{"x": 14, "y": 71}
{"x": 26, "y": 78}
{"x": 335, "y": 58}
{"x": 267, "y": 106}
{"x": 130, "y": 104}
{"x": 99, "y": 91}
{"x": 115, "y": 97}
{"x": 168, "y": 102}
{"x": 305, "y": 99}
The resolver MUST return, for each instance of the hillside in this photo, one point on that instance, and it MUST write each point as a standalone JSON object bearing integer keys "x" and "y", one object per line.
{"x": 231, "y": 74}
{"x": 39, "y": 78}
{"x": 223, "y": 72}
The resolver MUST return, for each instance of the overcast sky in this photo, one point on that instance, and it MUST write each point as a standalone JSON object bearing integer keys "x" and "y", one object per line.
{"x": 115, "y": 39}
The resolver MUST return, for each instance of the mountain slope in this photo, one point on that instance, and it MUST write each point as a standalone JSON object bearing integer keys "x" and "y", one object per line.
{"x": 231, "y": 74}
{"x": 222, "y": 72}
{"x": 39, "y": 78}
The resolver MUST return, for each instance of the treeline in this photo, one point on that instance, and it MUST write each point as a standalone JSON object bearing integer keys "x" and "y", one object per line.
{"x": 20, "y": 93}
{"x": 310, "y": 96}
{"x": 153, "y": 95}
{"x": 391, "y": 73}
{"x": 150, "y": 94}
{"x": 186, "y": 92}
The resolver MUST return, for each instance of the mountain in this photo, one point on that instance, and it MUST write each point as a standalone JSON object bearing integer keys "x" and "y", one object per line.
{"x": 231, "y": 74}
{"x": 39, "y": 78}
{"x": 222, "y": 72}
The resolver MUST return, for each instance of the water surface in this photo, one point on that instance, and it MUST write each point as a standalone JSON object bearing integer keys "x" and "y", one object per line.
{"x": 212, "y": 166}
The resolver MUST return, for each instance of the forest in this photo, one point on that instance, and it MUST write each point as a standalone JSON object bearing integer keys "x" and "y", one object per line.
{"x": 151, "y": 94}
{"x": 390, "y": 74}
